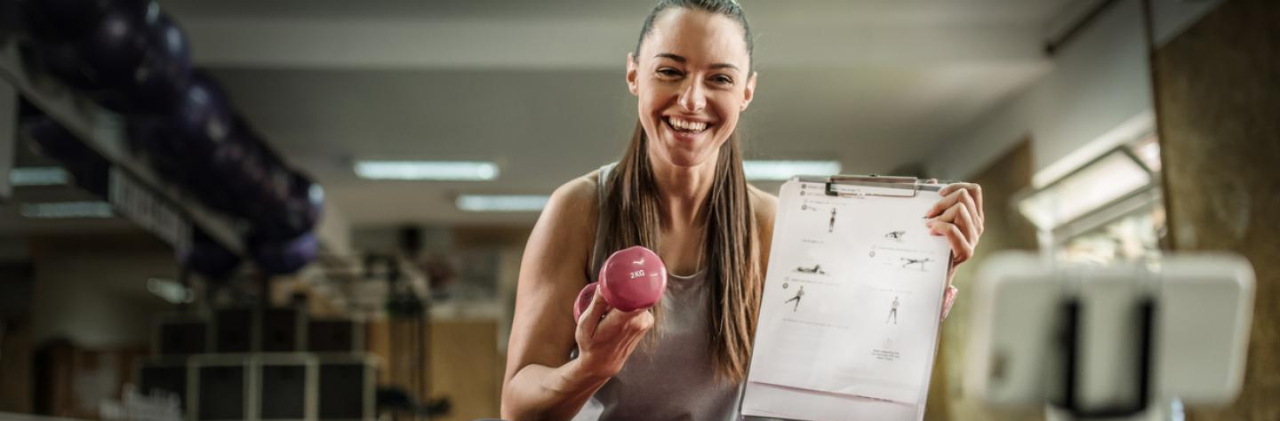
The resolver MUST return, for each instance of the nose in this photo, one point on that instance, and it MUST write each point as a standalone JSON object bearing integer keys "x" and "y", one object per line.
{"x": 693, "y": 99}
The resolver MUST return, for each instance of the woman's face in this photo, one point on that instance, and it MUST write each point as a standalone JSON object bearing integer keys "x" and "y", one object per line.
{"x": 692, "y": 79}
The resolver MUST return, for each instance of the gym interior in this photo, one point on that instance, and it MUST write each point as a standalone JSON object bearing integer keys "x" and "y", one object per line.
{"x": 320, "y": 210}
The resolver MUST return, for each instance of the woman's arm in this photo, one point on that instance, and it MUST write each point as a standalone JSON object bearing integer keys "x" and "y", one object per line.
{"x": 541, "y": 382}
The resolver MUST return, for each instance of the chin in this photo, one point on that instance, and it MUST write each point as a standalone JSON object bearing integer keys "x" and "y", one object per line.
{"x": 680, "y": 154}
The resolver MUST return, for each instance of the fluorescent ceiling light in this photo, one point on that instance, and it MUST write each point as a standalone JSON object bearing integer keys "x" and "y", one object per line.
{"x": 1126, "y": 132}
{"x": 170, "y": 290}
{"x": 63, "y": 210}
{"x": 784, "y": 170}
{"x": 502, "y": 203}
{"x": 1092, "y": 187}
{"x": 38, "y": 176}
{"x": 427, "y": 170}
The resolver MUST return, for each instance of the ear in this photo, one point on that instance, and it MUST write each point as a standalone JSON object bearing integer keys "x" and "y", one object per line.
{"x": 632, "y": 73}
{"x": 750, "y": 91}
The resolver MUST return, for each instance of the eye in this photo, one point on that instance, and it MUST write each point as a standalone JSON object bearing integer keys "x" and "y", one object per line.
{"x": 722, "y": 80}
{"x": 668, "y": 72}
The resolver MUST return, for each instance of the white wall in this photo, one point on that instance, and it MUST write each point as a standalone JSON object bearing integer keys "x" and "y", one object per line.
{"x": 1100, "y": 80}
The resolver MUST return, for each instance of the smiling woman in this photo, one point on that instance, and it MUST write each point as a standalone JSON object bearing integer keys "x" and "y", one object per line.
{"x": 679, "y": 189}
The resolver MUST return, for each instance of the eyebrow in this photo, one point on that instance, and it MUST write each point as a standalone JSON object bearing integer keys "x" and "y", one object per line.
{"x": 683, "y": 60}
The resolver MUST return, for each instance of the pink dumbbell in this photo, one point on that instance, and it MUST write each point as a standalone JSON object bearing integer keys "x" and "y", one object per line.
{"x": 631, "y": 279}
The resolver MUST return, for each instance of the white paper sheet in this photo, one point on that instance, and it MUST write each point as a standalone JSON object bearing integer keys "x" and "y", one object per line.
{"x": 850, "y": 308}
{"x": 763, "y": 400}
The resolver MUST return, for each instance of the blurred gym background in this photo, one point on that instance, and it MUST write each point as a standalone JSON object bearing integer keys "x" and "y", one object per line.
{"x": 315, "y": 210}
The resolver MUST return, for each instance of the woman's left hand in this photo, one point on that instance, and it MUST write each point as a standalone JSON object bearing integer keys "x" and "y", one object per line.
{"x": 959, "y": 218}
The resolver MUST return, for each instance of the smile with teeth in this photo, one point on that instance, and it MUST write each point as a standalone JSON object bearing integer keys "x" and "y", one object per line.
{"x": 686, "y": 126}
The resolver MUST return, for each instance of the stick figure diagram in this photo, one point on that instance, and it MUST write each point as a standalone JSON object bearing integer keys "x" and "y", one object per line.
{"x": 816, "y": 270}
{"x": 907, "y": 261}
{"x": 799, "y": 294}
{"x": 893, "y": 312}
{"x": 832, "y": 225}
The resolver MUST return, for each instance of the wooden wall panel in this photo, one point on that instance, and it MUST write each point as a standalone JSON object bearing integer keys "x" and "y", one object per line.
{"x": 1218, "y": 107}
{"x": 464, "y": 363}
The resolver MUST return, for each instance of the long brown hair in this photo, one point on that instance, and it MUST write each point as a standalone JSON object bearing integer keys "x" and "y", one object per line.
{"x": 731, "y": 246}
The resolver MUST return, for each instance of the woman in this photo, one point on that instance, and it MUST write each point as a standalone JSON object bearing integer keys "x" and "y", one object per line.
{"x": 679, "y": 190}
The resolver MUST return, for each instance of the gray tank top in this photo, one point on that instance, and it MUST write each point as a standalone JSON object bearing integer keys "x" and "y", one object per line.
{"x": 673, "y": 376}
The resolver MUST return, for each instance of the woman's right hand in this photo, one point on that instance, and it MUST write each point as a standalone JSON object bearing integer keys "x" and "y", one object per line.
{"x": 606, "y": 337}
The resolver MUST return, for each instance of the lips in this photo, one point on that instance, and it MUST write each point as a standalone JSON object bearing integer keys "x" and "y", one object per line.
{"x": 687, "y": 126}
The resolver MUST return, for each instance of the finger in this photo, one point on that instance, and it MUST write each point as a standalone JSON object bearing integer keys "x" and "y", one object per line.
{"x": 636, "y": 329}
{"x": 953, "y": 187}
{"x": 974, "y": 190}
{"x": 949, "y": 214}
{"x": 618, "y": 322}
{"x": 964, "y": 220}
{"x": 948, "y": 200}
{"x": 978, "y": 222}
{"x": 641, "y": 323}
{"x": 957, "y": 215}
{"x": 940, "y": 206}
{"x": 958, "y": 197}
{"x": 961, "y": 251}
{"x": 590, "y": 319}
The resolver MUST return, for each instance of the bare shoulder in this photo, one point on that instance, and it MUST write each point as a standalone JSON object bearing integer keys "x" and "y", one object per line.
{"x": 572, "y": 203}
{"x": 566, "y": 229}
{"x": 577, "y": 194}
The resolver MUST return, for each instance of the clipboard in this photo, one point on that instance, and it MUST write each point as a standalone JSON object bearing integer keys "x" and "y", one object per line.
{"x": 849, "y": 293}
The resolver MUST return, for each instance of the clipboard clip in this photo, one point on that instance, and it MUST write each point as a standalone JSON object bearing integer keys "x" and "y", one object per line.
{"x": 886, "y": 186}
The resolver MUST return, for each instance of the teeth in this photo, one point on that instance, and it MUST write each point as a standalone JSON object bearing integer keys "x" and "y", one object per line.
{"x": 686, "y": 125}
